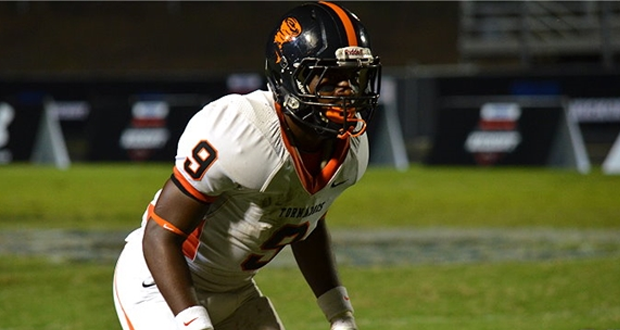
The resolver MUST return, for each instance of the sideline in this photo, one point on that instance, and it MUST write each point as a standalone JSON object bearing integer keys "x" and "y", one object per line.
{"x": 358, "y": 247}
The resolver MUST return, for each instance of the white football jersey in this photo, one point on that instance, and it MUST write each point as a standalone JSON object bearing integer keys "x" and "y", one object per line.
{"x": 234, "y": 155}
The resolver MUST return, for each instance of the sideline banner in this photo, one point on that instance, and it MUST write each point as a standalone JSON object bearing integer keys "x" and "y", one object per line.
{"x": 102, "y": 119}
{"x": 140, "y": 128}
{"x": 611, "y": 165}
{"x": 7, "y": 115}
{"x": 599, "y": 121}
{"x": 506, "y": 130}
{"x": 387, "y": 144}
{"x": 19, "y": 124}
{"x": 50, "y": 146}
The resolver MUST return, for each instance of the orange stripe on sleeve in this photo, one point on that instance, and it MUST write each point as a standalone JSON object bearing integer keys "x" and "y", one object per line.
{"x": 163, "y": 222}
{"x": 190, "y": 189}
{"x": 346, "y": 21}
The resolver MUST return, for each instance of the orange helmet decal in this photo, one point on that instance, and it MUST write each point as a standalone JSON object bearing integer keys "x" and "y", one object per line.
{"x": 289, "y": 29}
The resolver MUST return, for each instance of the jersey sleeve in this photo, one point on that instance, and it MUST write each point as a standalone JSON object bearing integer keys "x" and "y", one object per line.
{"x": 221, "y": 149}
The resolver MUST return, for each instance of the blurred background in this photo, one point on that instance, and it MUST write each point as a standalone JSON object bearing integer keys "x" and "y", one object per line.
{"x": 116, "y": 81}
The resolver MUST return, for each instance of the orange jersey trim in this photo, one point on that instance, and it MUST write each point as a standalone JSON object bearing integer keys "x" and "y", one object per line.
{"x": 190, "y": 189}
{"x": 346, "y": 21}
{"x": 314, "y": 183}
{"x": 191, "y": 244}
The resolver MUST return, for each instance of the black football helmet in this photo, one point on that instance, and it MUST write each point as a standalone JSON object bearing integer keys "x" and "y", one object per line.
{"x": 316, "y": 41}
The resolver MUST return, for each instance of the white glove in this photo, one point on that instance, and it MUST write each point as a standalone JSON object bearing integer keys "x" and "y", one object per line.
{"x": 194, "y": 318}
{"x": 344, "y": 322}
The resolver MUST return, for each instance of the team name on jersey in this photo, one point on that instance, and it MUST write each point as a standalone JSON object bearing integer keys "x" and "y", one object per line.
{"x": 300, "y": 212}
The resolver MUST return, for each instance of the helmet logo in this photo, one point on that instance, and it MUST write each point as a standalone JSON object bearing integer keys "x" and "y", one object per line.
{"x": 354, "y": 53}
{"x": 289, "y": 29}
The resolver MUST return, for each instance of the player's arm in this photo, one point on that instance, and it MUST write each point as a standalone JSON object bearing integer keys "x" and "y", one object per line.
{"x": 175, "y": 216}
{"x": 316, "y": 261}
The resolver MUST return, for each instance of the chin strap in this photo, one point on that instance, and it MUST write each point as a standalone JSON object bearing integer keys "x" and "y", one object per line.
{"x": 334, "y": 115}
{"x": 349, "y": 133}
{"x": 337, "y": 115}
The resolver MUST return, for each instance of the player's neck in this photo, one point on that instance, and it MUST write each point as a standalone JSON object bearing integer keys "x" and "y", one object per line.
{"x": 305, "y": 139}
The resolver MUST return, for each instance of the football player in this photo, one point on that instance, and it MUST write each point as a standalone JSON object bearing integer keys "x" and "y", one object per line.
{"x": 254, "y": 173}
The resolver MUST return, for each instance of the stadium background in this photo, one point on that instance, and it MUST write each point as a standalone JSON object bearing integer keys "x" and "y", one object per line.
{"x": 196, "y": 38}
{"x": 130, "y": 51}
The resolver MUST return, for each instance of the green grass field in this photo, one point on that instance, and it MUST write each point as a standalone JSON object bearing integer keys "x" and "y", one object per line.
{"x": 114, "y": 196}
{"x": 564, "y": 294}
{"x": 527, "y": 296}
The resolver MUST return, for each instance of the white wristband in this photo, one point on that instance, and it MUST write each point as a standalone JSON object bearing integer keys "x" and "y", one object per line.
{"x": 194, "y": 318}
{"x": 335, "y": 302}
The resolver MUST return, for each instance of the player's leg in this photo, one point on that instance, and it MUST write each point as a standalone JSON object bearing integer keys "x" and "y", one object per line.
{"x": 255, "y": 313}
{"x": 139, "y": 304}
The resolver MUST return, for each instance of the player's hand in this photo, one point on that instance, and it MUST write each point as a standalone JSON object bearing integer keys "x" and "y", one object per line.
{"x": 344, "y": 322}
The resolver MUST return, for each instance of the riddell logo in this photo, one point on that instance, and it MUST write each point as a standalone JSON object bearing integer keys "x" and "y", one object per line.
{"x": 354, "y": 52}
{"x": 496, "y": 134}
{"x": 289, "y": 29}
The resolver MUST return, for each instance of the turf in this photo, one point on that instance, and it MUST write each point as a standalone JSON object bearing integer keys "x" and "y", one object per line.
{"x": 577, "y": 294}
{"x": 37, "y": 294}
{"x": 101, "y": 196}
{"x": 113, "y": 196}
{"x": 475, "y": 197}
{"x": 554, "y": 295}
{"x": 569, "y": 294}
